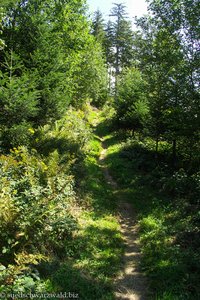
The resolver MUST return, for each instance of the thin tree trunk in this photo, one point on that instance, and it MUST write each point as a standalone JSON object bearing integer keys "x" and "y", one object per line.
{"x": 157, "y": 144}
{"x": 174, "y": 154}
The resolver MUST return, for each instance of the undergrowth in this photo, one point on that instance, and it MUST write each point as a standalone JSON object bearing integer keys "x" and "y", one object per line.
{"x": 96, "y": 250}
{"x": 167, "y": 207}
{"x": 59, "y": 231}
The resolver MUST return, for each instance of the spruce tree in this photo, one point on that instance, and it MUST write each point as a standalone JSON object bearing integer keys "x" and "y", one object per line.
{"x": 119, "y": 40}
{"x": 98, "y": 26}
{"x": 60, "y": 60}
{"x": 169, "y": 59}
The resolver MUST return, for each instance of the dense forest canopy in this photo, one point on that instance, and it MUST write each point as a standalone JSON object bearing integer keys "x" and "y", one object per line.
{"x": 58, "y": 67}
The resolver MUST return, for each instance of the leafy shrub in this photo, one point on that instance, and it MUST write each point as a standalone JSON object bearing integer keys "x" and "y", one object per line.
{"x": 23, "y": 276}
{"x": 182, "y": 184}
{"x": 69, "y": 134}
{"x": 35, "y": 218}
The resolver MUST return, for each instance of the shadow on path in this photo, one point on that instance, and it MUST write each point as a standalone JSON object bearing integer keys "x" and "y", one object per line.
{"x": 131, "y": 283}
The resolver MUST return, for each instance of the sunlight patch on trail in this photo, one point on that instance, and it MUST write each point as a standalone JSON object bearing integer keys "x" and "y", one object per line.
{"x": 131, "y": 283}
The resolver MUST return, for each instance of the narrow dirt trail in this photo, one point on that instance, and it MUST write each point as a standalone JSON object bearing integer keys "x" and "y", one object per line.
{"x": 131, "y": 284}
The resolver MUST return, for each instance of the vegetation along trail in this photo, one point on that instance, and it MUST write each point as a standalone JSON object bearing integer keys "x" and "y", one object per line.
{"x": 131, "y": 283}
{"x": 99, "y": 151}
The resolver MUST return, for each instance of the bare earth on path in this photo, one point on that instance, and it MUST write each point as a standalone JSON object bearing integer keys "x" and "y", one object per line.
{"x": 131, "y": 283}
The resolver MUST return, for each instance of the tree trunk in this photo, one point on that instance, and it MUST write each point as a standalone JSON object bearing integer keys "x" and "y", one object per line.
{"x": 157, "y": 141}
{"x": 174, "y": 154}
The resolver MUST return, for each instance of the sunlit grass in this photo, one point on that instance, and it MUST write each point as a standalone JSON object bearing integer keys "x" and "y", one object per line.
{"x": 162, "y": 219}
{"x": 97, "y": 247}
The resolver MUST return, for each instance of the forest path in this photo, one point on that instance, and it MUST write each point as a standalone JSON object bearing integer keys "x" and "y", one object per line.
{"x": 131, "y": 283}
